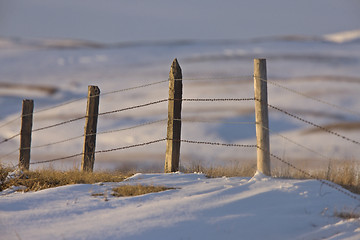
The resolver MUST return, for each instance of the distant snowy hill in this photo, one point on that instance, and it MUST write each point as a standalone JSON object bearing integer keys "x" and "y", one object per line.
{"x": 344, "y": 37}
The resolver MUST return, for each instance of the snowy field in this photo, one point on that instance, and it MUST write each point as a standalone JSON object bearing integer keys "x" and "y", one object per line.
{"x": 56, "y": 71}
{"x": 199, "y": 208}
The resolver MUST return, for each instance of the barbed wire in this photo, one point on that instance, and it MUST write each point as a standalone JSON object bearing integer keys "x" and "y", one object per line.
{"x": 57, "y": 159}
{"x": 214, "y": 143}
{"x": 10, "y": 138}
{"x": 101, "y": 151}
{"x": 132, "y": 127}
{"x": 98, "y": 133}
{"x": 312, "y": 98}
{"x": 329, "y": 184}
{"x": 215, "y": 78}
{"x": 59, "y": 124}
{"x": 211, "y": 121}
{"x": 213, "y": 99}
{"x": 133, "y": 88}
{"x": 130, "y": 146}
{"x": 58, "y": 105}
{"x": 101, "y": 94}
{"x": 133, "y": 107}
{"x": 315, "y": 125}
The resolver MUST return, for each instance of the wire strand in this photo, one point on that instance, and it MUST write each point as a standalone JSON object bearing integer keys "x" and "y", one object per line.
{"x": 59, "y": 124}
{"x": 214, "y": 143}
{"x": 130, "y": 146}
{"x": 10, "y": 138}
{"x": 315, "y": 125}
{"x": 211, "y": 121}
{"x": 213, "y": 99}
{"x": 133, "y": 88}
{"x": 133, "y": 107}
{"x": 329, "y": 184}
{"x": 57, "y": 159}
{"x": 312, "y": 98}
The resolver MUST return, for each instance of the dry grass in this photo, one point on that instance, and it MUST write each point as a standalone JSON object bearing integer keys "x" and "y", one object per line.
{"x": 135, "y": 190}
{"x": 48, "y": 178}
{"x": 347, "y": 214}
{"x": 232, "y": 170}
{"x": 343, "y": 173}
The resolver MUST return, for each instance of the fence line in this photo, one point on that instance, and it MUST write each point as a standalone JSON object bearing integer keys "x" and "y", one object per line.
{"x": 312, "y": 98}
{"x": 315, "y": 125}
{"x": 100, "y": 114}
{"x": 128, "y": 89}
{"x": 189, "y": 120}
{"x": 123, "y": 90}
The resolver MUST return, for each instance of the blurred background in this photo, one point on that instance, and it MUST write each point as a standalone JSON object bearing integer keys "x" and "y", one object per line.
{"x": 50, "y": 51}
{"x": 138, "y": 20}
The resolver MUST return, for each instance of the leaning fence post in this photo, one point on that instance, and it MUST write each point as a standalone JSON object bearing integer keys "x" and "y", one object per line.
{"x": 174, "y": 119}
{"x": 92, "y": 111}
{"x": 25, "y": 133}
{"x": 261, "y": 117}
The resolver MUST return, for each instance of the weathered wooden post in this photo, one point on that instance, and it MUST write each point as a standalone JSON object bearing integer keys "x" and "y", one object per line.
{"x": 92, "y": 112}
{"x": 25, "y": 133}
{"x": 261, "y": 117}
{"x": 174, "y": 119}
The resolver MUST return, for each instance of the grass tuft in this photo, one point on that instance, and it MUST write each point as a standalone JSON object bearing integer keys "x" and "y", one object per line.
{"x": 136, "y": 190}
{"x": 347, "y": 215}
{"x": 233, "y": 170}
{"x": 49, "y": 178}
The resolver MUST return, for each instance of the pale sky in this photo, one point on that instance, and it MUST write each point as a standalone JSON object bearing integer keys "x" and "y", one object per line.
{"x": 128, "y": 20}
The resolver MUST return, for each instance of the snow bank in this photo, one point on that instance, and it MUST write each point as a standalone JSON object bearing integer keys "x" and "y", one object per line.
{"x": 199, "y": 208}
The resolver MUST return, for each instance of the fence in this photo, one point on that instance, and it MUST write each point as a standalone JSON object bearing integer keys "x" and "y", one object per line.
{"x": 174, "y": 121}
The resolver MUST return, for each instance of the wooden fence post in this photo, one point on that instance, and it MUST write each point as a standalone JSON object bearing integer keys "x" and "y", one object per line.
{"x": 174, "y": 119}
{"x": 261, "y": 117}
{"x": 92, "y": 111}
{"x": 25, "y": 133}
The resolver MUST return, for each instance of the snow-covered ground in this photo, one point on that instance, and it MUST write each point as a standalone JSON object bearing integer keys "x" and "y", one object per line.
{"x": 215, "y": 45}
{"x": 199, "y": 208}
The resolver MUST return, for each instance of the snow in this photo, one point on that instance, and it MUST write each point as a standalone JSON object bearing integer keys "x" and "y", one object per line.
{"x": 198, "y": 208}
{"x": 316, "y": 53}
{"x": 342, "y": 37}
